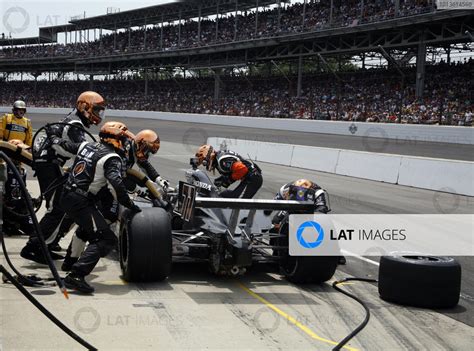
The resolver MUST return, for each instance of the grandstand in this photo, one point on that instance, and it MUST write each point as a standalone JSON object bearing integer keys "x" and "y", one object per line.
{"x": 298, "y": 59}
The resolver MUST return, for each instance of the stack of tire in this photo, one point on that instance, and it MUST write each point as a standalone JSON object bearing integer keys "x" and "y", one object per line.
{"x": 420, "y": 281}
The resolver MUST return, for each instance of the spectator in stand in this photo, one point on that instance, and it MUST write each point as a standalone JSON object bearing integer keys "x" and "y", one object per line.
{"x": 317, "y": 17}
{"x": 367, "y": 95}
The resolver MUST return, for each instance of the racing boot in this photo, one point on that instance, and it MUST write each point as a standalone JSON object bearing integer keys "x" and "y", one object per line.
{"x": 78, "y": 283}
{"x": 34, "y": 253}
{"x": 68, "y": 261}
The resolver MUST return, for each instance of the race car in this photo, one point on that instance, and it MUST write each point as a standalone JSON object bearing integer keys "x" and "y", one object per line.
{"x": 194, "y": 225}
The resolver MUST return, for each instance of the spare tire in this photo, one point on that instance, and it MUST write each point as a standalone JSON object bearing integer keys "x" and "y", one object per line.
{"x": 420, "y": 281}
{"x": 146, "y": 245}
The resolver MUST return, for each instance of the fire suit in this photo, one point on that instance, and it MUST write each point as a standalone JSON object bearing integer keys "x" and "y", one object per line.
{"x": 48, "y": 169}
{"x": 96, "y": 164}
{"x": 232, "y": 167}
{"x": 13, "y": 127}
{"x": 108, "y": 207}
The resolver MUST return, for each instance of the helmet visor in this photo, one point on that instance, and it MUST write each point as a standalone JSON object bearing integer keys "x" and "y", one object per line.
{"x": 98, "y": 114}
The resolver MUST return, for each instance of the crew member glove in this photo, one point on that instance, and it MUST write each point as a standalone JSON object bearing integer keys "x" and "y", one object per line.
{"x": 222, "y": 181}
{"x": 134, "y": 208}
{"x": 163, "y": 183}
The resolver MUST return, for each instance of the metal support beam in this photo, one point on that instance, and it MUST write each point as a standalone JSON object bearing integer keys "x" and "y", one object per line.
{"x": 256, "y": 18}
{"x": 217, "y": 84}
{"x": 420, "y": 70}
{"x": 304, "y": 15}
{"x": 397, "y": 8}
{"x": 115, "y": 35}
{"x": 391, "y": 60}
{"x": 145, "y": 73}
{"x": 339, "y": 85}
{"x": 199, "y": 23}
{"x": 161, "y": 33}
{"x": 299, "y": 83}
{"x": 179, "y": 30}
{"x": 279, "y": 15}
{"x": 331, "y": 12}
{"x": 235, "y": 22}
{"x": 217, "y": 21}
{"x": 144, "y": 37}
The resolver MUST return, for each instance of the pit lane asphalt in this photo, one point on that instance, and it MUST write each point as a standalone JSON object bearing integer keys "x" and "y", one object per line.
{"x": 197, "y": 134}
{"x": 196, "y": 310}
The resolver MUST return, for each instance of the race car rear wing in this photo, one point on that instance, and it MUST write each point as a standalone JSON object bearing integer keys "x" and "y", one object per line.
{"x": 255, "y": 204}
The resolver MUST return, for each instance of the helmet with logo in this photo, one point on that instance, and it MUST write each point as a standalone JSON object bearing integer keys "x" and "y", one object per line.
{"x": 206, "y": 156}
{"x": 299, "y": 190}
{"x": 146, "y": 142}
{"x": 19, "y": 108}
{"x": 117, "y": 135}
{"x": 91, "y": 106}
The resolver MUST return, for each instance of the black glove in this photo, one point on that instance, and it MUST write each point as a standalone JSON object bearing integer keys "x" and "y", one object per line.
{"x": 135, "y": 209}
{"x": 48, "y": 128}
{"x": 222, "y": 181}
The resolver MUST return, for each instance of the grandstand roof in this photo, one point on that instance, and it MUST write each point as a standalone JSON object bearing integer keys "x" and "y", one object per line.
{"x": 23, "y": 41}
{"x": 169, "y": 12}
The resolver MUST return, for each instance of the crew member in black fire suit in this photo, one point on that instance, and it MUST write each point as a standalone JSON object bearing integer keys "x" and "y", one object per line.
{"x": 232, "y": 167}
{"x": 146, "y": 143}
{"x": 303, "y": 190}
{"x": 96, "y": 164}
{"x": 89, "y": 110}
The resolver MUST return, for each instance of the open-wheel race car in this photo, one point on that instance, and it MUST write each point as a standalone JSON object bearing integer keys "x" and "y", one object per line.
{"x": 194, "y": 225}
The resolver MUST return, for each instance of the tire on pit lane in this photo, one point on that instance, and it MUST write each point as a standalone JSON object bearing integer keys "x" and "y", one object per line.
{"x": 145, "y": 246}
{"x": 305, "y": 269}
{"x": 420, "y": 281}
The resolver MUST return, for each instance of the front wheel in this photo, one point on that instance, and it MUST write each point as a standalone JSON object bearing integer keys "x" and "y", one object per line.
{"x": 146, "y": 245}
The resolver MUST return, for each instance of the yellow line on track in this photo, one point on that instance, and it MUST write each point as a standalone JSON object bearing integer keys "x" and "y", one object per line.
{"x": 291, "y": 320}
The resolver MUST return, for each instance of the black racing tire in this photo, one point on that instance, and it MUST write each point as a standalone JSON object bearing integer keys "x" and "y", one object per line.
{"x": 420, "y": 281}
{"x": 146, "y": 246}
{"x": 310, "y": 269}
{"x": 305, "y": 269}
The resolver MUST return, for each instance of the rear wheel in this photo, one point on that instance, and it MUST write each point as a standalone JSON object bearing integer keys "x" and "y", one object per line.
{"x": 304, "y": 269}
{"x": 146, "y": 246}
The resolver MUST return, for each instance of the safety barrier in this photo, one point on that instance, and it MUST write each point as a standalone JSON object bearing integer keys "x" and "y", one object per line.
{"x": 450, "y": 176}
{"x": 405, "y": 133}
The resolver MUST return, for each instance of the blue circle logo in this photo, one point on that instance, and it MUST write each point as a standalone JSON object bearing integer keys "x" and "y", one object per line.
{"x": 315, "y": 227}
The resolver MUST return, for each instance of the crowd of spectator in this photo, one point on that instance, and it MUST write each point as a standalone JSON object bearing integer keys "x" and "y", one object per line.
{"x": 268, "y": 22}
{"x": 371, "y": 95}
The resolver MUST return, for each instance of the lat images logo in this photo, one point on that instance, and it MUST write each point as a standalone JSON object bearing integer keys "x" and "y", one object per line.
{"x": 317, "y": 231}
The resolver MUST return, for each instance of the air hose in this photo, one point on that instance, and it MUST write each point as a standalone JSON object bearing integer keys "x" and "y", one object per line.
{"x": 361, "y": 326}
{"x": 29, "y": 205}
{"x": 52, "y": 267}
{"x": 43, "y": 310}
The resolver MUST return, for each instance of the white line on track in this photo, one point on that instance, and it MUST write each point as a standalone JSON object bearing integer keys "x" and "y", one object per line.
{"x": 375, "y": 263}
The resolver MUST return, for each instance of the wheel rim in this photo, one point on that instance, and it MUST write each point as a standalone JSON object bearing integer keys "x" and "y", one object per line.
{"x": 423, "y": 258}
